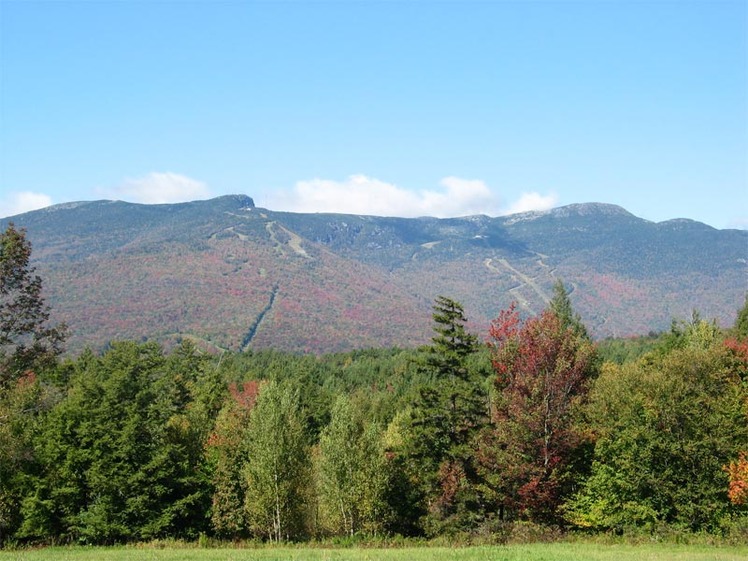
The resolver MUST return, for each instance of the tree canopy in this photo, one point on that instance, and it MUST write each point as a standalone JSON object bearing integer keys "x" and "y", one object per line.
{"x": 456, "y": 438}
{"x": 26, "y": 340}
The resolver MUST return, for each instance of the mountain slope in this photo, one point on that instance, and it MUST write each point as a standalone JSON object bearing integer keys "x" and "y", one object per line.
{"x": 234, "y": 276}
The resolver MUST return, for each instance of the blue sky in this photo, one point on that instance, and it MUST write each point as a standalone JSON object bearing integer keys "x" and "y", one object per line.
{"x": 394, "y": 108}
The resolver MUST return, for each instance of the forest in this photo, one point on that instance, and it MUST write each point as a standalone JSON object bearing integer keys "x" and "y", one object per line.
{"x": 531, "y": 425}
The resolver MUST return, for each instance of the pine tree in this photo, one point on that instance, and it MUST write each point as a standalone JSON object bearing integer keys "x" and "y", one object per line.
{"x": 560, "y": 305}
{"x": 122, "y": 452}
{"x": 446, "y": 416}
{"x": 452, "y": 344}
{"x": 741, "y": 321}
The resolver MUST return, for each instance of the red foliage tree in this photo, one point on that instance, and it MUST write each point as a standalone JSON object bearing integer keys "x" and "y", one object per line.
{"x": 543, "y": 368}
{"x": 738, "y": 355}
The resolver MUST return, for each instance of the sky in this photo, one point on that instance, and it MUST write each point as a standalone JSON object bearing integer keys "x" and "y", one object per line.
{"x": 396, "y": 108}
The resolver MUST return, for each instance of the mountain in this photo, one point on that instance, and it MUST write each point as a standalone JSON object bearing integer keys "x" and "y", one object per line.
{"x": 230, "y": 275}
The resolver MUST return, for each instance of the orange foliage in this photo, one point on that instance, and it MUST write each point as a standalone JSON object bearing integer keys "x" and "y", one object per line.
{"x": 738, "y": 487}
{"x": 245, "y": 394}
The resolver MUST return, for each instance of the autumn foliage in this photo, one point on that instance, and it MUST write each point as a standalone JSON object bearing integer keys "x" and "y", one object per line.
{"x": 543, "y": 369}
{"x": 738, "y": 472}
{"x": 452, "y": 441}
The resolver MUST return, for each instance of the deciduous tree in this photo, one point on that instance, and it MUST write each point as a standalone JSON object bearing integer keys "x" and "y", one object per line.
{"x": 543, "y": 369}
{"x": 738, "y": 472}
{"x": 227, "y": 454}
{"x": 277, "y": 474}
{"x": 19, "y": 422}
{"x": 27, "y": 341}
{"x": 353, "y": 472}
{"x": 666, "y": 426}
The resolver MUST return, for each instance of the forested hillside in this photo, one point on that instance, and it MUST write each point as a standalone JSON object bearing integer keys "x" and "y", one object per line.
{"x": 230, "y": 276}
{"x": 459, "y": 439}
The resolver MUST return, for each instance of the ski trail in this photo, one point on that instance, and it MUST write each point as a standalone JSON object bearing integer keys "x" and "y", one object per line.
{"x": 294, "y": 241}
{"x": 253, "y": 328}
{"x": 523, "y": 281}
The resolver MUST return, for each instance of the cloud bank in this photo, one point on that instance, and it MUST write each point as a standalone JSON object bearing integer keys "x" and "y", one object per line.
{"x": 157, "y": 188}
{"x": 532, "y": 201}
{"x": 22, "y": 201}
{"x": 359, "y": 194}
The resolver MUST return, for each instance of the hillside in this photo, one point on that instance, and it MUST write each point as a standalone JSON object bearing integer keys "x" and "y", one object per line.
{"x": 234, "y": 276}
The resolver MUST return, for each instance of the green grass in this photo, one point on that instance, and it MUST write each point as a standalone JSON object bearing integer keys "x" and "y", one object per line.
{"x": 532, "y": 552}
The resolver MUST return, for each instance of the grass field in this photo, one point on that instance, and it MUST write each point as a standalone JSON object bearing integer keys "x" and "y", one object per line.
{"x": 532, "y": 552}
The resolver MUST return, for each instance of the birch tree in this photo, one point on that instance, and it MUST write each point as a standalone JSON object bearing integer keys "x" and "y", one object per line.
{"x": 352, "y": 472}
{"x": 278, "y": 467}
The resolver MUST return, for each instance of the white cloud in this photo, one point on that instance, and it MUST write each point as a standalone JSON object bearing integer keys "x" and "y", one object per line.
{"x": 156, "y": 188}
{"x": 467, "y": 196}
{"x": 360, "y": 194}
{"x": 532, "y": 201}
{"x": 738, "y": 223}
{"x": 23, "y": 201}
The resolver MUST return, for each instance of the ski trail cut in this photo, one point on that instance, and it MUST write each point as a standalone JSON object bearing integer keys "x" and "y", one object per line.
{"x": 522, "y": 280}
{"x": 253, "y": 328}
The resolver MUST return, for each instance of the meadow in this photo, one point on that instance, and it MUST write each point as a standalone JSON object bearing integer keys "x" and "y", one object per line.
{"x": 523, "y": 552}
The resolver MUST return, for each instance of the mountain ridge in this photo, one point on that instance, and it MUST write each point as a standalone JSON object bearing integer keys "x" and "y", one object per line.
{"x": 222, "y": 269}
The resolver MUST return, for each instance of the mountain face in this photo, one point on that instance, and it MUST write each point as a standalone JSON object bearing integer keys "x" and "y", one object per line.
{"x": 232, "y": 276}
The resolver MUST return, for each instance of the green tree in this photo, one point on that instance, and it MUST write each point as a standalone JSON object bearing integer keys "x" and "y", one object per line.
{"x": 277, "y": 474}
{"x": 28, "y": 347}
{"x": 740, "y": 328}
{"x": 21, "y": 408}
{"x": 452, "y": 344}
{"x": 27, "y": 342}
{"x": 180, "y": 418}
{"x": 560, "y": 305}
{"x": 122, "y": 452}
{"x": 352, "y": 472}
{"x": 447, "y": 414}
{"x": 666, "y": 427}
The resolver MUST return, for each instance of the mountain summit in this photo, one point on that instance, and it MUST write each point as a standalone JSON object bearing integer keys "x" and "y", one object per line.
{"x": 230, "y": 275}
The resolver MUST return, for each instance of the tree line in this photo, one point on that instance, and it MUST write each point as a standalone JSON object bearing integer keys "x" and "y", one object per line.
{"x": 462, "y": 437}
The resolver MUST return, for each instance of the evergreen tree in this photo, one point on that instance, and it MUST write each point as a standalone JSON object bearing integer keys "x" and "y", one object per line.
{"x": 122, "y": 452}
{"x": 446, "y": 416}
{"x": 452, "y": 344}
{"x": 741, "y": 321}
{"x": 560, "y": 305}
